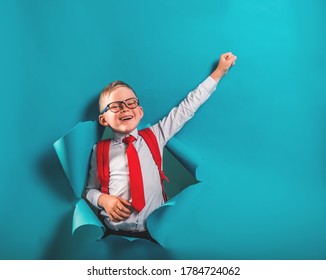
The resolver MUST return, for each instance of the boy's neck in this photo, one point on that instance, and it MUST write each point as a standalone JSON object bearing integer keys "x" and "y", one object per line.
{"x": 119, "y": 136}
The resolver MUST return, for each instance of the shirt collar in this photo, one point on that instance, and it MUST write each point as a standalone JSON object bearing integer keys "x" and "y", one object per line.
{"x": 120, "y": 136}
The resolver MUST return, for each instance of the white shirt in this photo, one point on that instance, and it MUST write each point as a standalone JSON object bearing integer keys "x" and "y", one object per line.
{"x": 119, "y": 174}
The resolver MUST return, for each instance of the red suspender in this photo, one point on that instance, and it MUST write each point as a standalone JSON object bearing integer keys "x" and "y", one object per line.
{"x": 102, "y": 157}
{"x": 148, "y": 135}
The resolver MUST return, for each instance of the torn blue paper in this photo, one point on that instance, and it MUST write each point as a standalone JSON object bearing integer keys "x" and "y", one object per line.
{"x": 187, "y": 158}
{"x": 84, "y": 215}
{"x": 74, "y": 151}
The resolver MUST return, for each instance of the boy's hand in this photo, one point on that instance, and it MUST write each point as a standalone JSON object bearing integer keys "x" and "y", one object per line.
{"x": 227, "y": 60}
{"x": 116, "y": 207}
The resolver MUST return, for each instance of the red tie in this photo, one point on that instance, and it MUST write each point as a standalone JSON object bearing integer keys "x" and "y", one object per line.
{"x": 135, "y": 176}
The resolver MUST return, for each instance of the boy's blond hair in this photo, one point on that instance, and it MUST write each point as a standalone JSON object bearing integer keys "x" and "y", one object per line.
{"x": 110, "y": 88}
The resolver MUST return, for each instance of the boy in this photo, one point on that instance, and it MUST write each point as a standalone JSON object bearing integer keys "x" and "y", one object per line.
{"x": 120, "y": 110}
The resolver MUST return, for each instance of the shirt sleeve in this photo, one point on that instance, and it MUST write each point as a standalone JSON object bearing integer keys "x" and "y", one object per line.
{"x": 166, "y": 128}
{"x": 93, "y": 188}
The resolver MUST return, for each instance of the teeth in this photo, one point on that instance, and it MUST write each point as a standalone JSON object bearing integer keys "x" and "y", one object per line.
{"x": 126, "y": 118}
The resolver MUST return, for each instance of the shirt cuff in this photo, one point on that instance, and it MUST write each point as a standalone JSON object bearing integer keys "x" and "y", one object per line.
{"x": 92, "y": 196}
{"x": 209, "y": 84}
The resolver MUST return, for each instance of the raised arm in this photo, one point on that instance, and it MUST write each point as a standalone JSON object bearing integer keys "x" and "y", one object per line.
{"x": 179, "y": 115}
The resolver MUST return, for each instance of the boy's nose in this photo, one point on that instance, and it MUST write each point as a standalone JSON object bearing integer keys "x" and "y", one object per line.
{"x": 123, "y": 107}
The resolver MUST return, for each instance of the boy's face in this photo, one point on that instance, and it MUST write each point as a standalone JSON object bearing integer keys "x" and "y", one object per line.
{"x": 126, "y": 120}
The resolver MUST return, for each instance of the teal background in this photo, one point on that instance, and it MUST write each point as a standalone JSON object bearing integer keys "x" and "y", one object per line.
{"x": 261, "y": 136}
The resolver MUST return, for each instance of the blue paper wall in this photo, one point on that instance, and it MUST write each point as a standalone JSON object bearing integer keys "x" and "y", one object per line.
{"x": 263, "y": 189}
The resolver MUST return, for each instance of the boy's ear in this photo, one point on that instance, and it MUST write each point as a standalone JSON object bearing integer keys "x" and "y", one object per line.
{"x": 102, "y": 120}
{"x": 141, "y": 112}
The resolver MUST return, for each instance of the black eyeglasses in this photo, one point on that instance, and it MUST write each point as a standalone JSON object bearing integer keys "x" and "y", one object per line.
{"x": 116, "y": 106}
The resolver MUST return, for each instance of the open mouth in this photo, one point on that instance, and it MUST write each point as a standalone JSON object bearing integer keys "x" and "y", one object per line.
{"x": 126, "y": 118}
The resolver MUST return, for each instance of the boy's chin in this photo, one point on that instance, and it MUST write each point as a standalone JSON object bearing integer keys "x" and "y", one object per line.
{"x": 126, "y": 130}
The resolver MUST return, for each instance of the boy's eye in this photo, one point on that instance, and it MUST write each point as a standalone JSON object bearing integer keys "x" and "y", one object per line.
{"x": 114, "y": 106}
{"x": 131, "y": 102}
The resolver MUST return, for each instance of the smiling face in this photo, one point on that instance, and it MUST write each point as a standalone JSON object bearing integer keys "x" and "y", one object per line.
{"x": 125, "y": 120}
